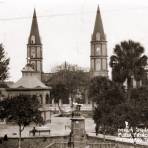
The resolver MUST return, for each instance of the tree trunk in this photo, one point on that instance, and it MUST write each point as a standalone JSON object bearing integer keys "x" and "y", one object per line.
{"x": 19, "y": 146}
{"x": 104, "y": 136}
{"x": 129, "y": 87}
{"x": 104, "y": 132}
{"x": 93, "y": 105}
{"x": 60, "y": 110}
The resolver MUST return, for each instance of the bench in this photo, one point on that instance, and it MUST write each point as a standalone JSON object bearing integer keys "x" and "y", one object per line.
{"x": 34, "y": 131}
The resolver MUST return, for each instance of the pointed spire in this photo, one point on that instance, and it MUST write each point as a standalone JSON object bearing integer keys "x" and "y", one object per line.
{"x": 34, "y": 37}
{"x": 34, "y": 13}
{"x": 98, "y": 28}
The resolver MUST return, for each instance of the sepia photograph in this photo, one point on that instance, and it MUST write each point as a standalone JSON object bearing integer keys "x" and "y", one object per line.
{"x": 73, "y": 74}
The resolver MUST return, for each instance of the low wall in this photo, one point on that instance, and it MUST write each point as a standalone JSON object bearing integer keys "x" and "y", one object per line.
{"x": 42, "y": 142}
{"x": 119, "y": 144}
{"x": 33, "y": 142}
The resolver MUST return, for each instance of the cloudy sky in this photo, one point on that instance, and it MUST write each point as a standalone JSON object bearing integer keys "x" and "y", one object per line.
{"x": 66, "y": 27}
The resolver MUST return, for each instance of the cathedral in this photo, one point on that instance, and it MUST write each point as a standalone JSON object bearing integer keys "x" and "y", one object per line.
{"x": 33, "y": 80}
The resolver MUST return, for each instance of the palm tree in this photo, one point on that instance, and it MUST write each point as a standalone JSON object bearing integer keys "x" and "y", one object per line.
{"x": 128, "y": 63}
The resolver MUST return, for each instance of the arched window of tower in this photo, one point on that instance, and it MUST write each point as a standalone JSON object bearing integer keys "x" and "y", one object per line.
{"x": 98, "y": 64}
{"x": 98, "y": 50}
{"x": 33, "y": 54}
{"x": 104, "y": 50}
{"x": 38, "y": 52}
{"x": 33, "y": 64}
{"x": 32, "y": 39}
{"x": 98, "y": 36}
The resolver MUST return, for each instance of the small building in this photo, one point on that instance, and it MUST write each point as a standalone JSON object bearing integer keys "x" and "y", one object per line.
{"x": 29, "y": 84}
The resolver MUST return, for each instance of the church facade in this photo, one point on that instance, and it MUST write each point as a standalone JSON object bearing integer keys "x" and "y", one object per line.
{"x": 33, "y": 78}
{"x": 98, "y": 50}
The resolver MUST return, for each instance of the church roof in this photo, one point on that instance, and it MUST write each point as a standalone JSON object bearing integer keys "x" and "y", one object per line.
{"x": 29, "y": 82}
{"x": 98, "y": 28}
{"x": 34, "y": 30}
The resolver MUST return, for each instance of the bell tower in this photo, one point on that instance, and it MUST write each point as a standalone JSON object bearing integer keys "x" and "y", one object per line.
{"x": 98, "y": 57}
{"x": 34, "y": 46}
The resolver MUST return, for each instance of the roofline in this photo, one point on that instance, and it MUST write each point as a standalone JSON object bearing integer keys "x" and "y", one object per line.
{"x": 27, "y": 89}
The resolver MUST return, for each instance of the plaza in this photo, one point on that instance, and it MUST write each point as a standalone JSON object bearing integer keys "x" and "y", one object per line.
{"x": 73, "y": 124}
{"x": 59, "y": 126}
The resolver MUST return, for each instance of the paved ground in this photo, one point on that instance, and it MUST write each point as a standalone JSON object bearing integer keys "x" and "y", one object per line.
{"x": 61, "y": 126}
{"x": 58, "y": 126}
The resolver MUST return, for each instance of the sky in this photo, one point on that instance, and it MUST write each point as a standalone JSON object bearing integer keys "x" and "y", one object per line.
{"x": 65, "y": 28}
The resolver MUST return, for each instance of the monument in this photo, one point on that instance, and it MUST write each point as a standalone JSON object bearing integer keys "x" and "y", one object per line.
{"x": 77, "y": 137}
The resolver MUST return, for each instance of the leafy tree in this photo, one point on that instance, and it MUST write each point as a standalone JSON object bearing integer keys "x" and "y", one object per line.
{"x": 107, "y": 96}
{"x": 134, "y": 116}
{"x": 59, "y": 91}
{"x": 139, "y": 97}
{"x": 138, "y": 105}
{"x": 72, "y": 77}
{"x": 4, "y": 62}
{"x": 128, "y": 63}
{"x": 22, "y": 110}
{"x": 135, "y": 112}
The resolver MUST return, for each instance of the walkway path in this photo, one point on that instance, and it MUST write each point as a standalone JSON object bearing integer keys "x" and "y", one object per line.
{"x": 58, "y": 126}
